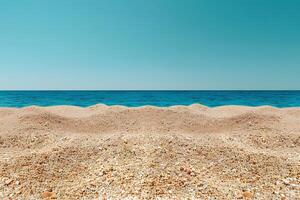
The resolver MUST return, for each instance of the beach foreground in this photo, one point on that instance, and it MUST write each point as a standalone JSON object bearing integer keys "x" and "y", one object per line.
{"x": 114, "y": 152}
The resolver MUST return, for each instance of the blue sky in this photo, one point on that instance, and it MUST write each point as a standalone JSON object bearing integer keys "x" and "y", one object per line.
{"x": 157, "y": 44}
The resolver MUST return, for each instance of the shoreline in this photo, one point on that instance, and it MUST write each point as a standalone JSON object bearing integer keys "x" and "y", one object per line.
{"x": 152, "y": 106}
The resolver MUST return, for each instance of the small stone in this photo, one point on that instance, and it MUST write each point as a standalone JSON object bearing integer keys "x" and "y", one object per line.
{"x": 286, "y": 181}
{"x": 8, "y": 181}
{"x": 277, "y": 182}
{"x": 104, "y": 196}
{"x": 295, "y": 185}
{"x": 247, "y": 194}
{"x": 48, "y": 194}
{"x": 93, "y": 184}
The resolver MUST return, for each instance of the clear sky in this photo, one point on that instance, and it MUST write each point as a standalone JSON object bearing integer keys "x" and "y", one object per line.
{"x": 155, "y": 44}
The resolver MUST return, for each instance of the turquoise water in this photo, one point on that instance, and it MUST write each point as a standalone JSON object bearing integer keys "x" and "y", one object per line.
{"x": 155, "y": 98}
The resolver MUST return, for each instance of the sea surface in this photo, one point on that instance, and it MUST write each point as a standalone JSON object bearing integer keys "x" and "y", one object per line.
{"x": 154, "y": 98}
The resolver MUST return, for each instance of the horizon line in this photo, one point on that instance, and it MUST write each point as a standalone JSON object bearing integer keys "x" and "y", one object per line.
{"x": 138, "y": 90}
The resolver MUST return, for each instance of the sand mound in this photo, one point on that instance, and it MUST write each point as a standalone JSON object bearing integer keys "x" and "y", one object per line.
{"x": 115, "y": 152}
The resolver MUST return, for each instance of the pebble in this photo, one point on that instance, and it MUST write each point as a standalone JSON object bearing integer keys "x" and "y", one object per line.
{"x": 8, "y": 181}
{"x": 282, "y": 196}
{"x": 295, "y": 185}
{"x": 247, "y": 194}
{"x": 286, "y": 181}
{"x": 47, "y": 194}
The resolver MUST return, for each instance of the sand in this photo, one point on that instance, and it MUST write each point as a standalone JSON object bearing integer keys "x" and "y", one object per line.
{"x": 179, "y": 152}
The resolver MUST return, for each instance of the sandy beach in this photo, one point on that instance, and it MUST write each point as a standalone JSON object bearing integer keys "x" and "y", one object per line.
{"x": 179, "y": 152}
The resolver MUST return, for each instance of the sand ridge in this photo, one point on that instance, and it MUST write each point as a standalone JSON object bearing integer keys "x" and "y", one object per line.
{"x": 115, "y": 152}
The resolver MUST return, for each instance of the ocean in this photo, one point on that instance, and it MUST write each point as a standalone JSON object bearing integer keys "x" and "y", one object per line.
{"x": 155, "y": 98}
